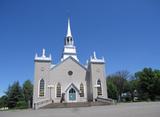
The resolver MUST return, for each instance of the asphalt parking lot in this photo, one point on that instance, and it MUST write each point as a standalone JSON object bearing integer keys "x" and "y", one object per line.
{"x": 142, "y": 109}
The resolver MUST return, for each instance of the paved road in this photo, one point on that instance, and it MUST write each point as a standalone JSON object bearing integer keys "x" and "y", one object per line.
{"x": 143, "y": 109}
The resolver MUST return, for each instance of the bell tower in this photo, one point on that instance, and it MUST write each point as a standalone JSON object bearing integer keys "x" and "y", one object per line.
{"x": 69, "y": 48}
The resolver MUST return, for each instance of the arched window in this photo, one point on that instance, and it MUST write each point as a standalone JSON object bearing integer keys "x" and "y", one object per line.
{"x": 71, "y": 40}
{"x": 67, "y": 40}
{"x": 58, "y": 90}
{"x": 99, "y": 88}
{"x": 41, "y": 88}
{"x": 81, "y": 90}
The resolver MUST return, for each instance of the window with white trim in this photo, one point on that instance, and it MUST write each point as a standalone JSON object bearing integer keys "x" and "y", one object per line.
{"x": 81, "y": 90}
{"x": 41, "y": 88}
{"x": 58, "y": 90}
{"x": 99, "y": 88}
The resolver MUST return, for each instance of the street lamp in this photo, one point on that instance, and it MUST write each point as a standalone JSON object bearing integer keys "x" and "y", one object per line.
{"x": 50, "y": 87}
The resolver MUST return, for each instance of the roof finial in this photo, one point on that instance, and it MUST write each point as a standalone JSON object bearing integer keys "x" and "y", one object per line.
{"x": 43, "y": 53}
{"x": 69, "y": 29}
{"x": 94, "y": 55}
{"x": 50, "y": 56}
{"x": 36, "y": 55}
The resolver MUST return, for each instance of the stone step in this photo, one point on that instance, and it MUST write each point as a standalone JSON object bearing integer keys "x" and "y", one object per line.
{"x": 67, "y": 105}
{"x": 73, "y": 105}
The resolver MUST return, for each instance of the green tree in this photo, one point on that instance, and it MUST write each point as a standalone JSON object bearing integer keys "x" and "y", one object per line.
{"x": 3, "y": 101}
{"x": 157, "y": 85}
{"x": 119, "y": 79}
{"x": 148, "y": 83}
{"x": 14, "y": 94}
{"x": 133, "y": 84}
{"x": 28, "y": 92}
{"x": 112, "y": 89}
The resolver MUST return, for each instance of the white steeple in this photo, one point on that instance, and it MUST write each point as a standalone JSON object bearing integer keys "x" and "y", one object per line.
{"x": 69, "y": 39}
{"x": 69, "y": 48}
{"x": 69, "y": 34}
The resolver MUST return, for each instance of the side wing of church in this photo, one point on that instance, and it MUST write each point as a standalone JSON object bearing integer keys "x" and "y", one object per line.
{"x": 68, "y": 81}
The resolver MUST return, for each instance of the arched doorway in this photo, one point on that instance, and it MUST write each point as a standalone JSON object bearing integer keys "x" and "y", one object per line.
{"x": 72, "y": 94}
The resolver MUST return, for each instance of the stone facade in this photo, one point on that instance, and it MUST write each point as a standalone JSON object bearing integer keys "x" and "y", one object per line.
{"x": 68, "y": 81}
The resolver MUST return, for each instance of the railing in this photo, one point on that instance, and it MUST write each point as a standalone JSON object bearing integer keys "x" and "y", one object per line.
{"x": 41, "y": 104}
{"x": 108, "y": 100}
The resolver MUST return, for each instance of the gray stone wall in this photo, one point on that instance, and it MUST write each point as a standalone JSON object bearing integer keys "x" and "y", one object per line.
{"x": 42, "y": 69}
{"x": 97, "y": 71}
{"x": 59, "y": 74}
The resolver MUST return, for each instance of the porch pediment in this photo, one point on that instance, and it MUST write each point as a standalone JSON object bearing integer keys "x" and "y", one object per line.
{"x": 72, "y": 86}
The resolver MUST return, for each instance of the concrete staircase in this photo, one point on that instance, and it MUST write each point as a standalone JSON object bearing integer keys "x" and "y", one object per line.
{"x": 73, "y": 105}
{"x": 67, "y": 105}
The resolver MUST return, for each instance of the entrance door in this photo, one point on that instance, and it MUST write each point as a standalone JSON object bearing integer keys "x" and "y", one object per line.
{"x": 72, "y": 94}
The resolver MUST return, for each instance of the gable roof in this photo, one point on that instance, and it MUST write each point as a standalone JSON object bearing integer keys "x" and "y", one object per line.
{"x": 72, "y": 85}
{"x": 70, "y": 57}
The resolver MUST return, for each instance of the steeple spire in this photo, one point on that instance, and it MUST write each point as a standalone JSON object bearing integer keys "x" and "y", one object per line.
{"x": 69, "y": 29}
{"x": 69, "y": 48}
{"x": 69, "y": 39}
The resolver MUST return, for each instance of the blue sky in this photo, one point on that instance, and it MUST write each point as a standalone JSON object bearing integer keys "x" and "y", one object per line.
{"x": 125, "y": 32}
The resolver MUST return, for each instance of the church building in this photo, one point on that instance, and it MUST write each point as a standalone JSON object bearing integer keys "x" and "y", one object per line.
{"x": 69, "y": 81}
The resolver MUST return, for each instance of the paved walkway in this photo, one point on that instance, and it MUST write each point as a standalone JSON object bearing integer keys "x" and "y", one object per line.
{"x": 143, "y": 109}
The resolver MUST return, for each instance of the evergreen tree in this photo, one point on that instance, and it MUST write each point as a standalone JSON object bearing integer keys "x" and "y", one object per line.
{"x": 148, "y": 83}
{"x": 14, "y": 94}
{"x": 28, "y": 92}
{"x": 3, "y": 101}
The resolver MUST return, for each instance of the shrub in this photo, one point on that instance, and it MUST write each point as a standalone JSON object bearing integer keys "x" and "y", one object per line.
{"x": 21, "y": 105}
